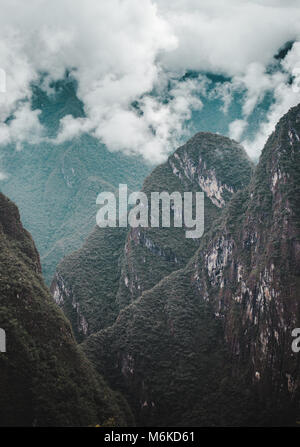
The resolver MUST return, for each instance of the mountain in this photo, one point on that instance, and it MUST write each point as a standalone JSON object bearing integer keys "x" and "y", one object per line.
{"x": 211, "y": 344}
{"x": 114, "y": 268}
{"x": 45, "y": 379}
{"x": 208, "y": 340}
{"x": 55, "y": 185}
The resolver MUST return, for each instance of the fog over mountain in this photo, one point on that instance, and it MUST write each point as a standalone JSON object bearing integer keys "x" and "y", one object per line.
{"x": 146, "y": 68}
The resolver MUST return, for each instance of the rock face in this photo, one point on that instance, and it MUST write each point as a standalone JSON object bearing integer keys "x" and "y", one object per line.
{"x": 110, "y": 271}
{"x": 209, "y": 163}
{"x": 250, "y": 269}
{"x": 204, "y": 331}
{"x": 45, "y": 379}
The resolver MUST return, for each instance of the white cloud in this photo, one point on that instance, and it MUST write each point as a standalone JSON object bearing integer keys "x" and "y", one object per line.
{"x": 285, "y": 97}
{"x": 239, "y": 39}
{"x": 24, "y": 127}
{"x": 3, "y": 176}
{"x": 119, "y": 51}
{"x": 226, "y": 37}
{"x": 236, "y": 129}
{"x": 153, "y": 132}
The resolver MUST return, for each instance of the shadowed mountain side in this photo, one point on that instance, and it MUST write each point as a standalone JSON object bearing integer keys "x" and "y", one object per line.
{"x": 45, "y": 379}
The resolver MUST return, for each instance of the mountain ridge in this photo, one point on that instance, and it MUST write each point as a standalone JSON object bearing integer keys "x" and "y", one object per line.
{"x": 164, "y": 249}
{"x": 228, "y": 315}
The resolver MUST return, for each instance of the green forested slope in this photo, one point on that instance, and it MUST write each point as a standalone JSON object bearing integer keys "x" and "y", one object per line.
{"x": 45, "y": 379}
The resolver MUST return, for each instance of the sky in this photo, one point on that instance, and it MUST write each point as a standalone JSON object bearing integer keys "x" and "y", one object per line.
{"x": 145, "y": 69}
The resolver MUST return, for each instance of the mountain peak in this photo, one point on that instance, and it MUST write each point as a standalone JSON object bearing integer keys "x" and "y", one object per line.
{"x": 277, "y": 176}
{"x": 217, "y": 164}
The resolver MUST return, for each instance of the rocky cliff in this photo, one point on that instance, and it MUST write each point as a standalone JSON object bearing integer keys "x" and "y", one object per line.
{"x": 113, "y": 268}
{"x": 208, "y": 163}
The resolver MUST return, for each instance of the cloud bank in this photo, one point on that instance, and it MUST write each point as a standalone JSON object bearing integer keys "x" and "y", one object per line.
{"x": 128, "y": 58}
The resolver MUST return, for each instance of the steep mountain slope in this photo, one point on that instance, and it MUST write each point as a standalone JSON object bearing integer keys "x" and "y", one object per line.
{"x": 210, "y": 344}
{"x": 250, "y": 269}
{"x": 55, "y": 185}
{"x": 94, "y": 283}
{"x": 210, "y": 163}
{"x": 45, "y": 379}
{"x": 87, "y": 281}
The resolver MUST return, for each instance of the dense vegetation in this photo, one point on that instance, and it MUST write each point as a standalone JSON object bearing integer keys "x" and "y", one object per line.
{"x": 108, "y": 272}
{"x": 189, "y": 333}
{"x": 210, "y": 344}
{"x": 45, "y": 379}
{"x": 206, "y": 162}
{"x": 93, "y": 294}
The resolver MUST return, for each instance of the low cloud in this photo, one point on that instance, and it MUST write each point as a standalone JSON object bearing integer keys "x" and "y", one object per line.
{"x": 153, "y": 130}
{"x": 286, "y": 95}
{"x": 236, "y": 129}
{"x": 128, "y": 58}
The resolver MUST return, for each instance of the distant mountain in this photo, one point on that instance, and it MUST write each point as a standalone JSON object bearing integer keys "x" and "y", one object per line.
{"x": 45, "y": 379}
{"x": 55, "y": 185}
{"x": 113, "y": 268}
{"x": 206, "y": 340}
